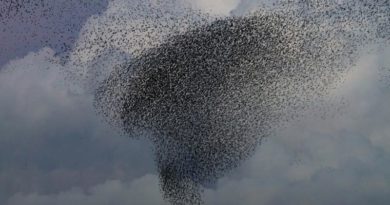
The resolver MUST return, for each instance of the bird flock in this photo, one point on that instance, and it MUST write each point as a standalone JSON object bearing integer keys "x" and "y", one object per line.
{"x": 207, "y": 90}
{"x": 207, "y": 97}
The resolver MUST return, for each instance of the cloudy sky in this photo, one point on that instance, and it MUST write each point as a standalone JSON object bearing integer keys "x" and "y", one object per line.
{"x": 55, "y": 149}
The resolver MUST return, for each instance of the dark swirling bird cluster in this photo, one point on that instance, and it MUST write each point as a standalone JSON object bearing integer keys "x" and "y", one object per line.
{"x": 208, "y": 96}
{"x": 206, "y": 90}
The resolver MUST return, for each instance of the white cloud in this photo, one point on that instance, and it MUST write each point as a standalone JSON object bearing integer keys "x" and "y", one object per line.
{"x": 217, "y": 7}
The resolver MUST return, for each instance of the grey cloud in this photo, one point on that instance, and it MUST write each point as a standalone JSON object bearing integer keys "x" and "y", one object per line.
{"x": 55, "y": 150}
{"x": 142, "y": 191}
{"x": 50, "y": 137}
{"x": 336, "y": 160}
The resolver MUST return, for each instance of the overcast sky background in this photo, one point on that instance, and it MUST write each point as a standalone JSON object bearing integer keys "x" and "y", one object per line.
{"x": 54, "y": 149}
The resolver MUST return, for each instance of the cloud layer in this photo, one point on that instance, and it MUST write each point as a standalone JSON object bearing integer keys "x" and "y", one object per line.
{"x": 51, "y": 139}
{"x": 54, "y": 149}
{"x": 66, "y": 156}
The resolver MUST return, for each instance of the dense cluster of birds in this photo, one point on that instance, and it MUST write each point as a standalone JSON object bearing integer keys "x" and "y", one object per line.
{"x": 206, "y": 90}
{"x": 208, "y": 96}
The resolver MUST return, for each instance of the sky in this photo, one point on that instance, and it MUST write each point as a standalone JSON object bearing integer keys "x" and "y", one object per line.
{"x": 55, "y": 149}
